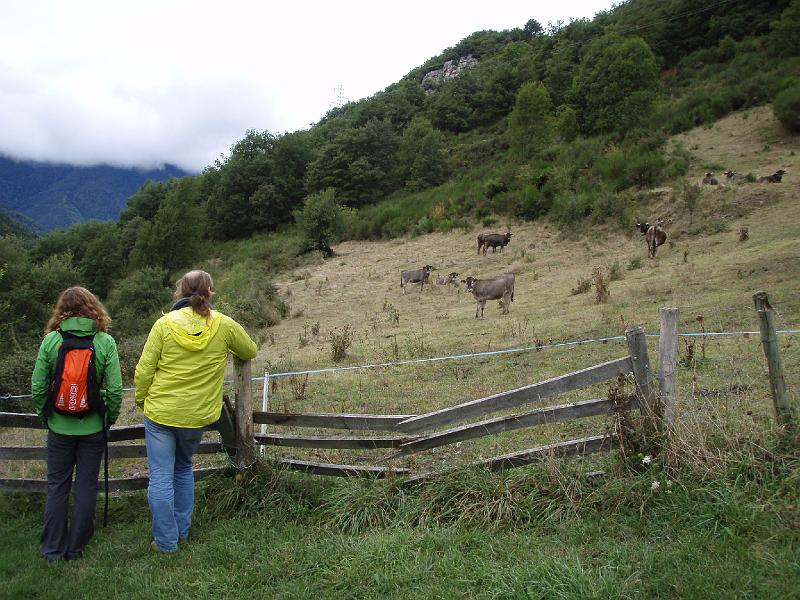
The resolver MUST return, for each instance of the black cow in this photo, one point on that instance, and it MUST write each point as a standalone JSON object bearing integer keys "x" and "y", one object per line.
{"x": 774, "y": 178}
{"x": 494, "y": 240}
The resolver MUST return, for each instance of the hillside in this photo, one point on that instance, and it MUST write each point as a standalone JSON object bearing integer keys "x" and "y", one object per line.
{"x": 55, "y": 196}
{"x": 703, "y": 269}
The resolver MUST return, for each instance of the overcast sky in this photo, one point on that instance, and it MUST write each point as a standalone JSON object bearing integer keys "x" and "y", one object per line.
{"x": 148, "y": 82}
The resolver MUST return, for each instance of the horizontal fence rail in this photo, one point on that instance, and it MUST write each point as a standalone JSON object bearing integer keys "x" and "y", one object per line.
{"x": 551, "y": 414}
{"x": 332, "y": 442}
{"x": 331, "y": 420}
{"x": 523, "y": 395}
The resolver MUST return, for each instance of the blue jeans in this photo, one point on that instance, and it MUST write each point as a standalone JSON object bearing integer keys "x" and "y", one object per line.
{"x": 171, "y": 489}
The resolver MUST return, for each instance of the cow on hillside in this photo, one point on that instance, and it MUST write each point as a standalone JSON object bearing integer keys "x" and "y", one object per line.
{"x": 654, "y": 235}
{"x": 501, "y": 287}
{"x": 493, "y": 240}
{"x": 447, "y": 279}
{"x": 774, "y": 178}
{"x": 732, "y": 177}
{"x": 709, "y": 179}
{"x": 419, "y": 276}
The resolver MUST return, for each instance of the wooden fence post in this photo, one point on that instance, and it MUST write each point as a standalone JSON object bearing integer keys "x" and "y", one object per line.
{"x": 769, "y": 341}
{"x": 264, "y": 406}
{"x": 245, "y": 442}
{"x": 637, "y": 347}
{"x": 668, "y": 365}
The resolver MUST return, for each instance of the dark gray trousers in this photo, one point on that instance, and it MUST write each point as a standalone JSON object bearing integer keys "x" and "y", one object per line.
{"x": 65, "y": 454}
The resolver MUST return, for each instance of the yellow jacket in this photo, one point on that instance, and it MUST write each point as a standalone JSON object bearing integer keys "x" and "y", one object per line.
{"x": 180, "y": 374}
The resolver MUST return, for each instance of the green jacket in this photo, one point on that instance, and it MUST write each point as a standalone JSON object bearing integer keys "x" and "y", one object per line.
{"x": 180, "y": 374}
{"x": 108, "y": 373}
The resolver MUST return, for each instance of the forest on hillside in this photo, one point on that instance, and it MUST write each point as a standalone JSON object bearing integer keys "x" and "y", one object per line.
{"x": 565, "y": 122}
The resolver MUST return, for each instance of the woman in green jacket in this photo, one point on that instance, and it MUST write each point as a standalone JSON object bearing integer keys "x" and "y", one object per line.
{"x": 179, "y": 381}
{"x": 75, "y": 443}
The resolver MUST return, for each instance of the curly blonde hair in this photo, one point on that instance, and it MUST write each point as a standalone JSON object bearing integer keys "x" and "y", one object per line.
{"x": 78, "y": 302}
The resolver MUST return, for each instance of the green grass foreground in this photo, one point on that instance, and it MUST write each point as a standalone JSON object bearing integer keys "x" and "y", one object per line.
{"x": 541, "y": 532}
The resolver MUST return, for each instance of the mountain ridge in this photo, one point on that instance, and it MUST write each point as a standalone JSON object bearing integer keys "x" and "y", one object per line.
{"x": 54, "y": 195}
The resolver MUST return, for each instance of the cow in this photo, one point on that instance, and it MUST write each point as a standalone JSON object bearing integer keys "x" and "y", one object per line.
{"x": 447, "y": 279}
{"x": 774, "y": 178}
{"x": 494, "y": 240}
{"x": 654, "y": 235}
{"x": 415, "y": 276}
{"x": 491, "y": 289}
{"x": 734, "y": 177}
{"x": 480, "y": 242}
{"x": 709, "y": 179}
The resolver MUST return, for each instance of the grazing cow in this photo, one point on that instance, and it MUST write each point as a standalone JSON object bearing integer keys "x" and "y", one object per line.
{"x": 491, "y": 289}
{"x": 774, "y": 178}
{"x": 419, "y": 276}
{"x": 480, "y": 242}
{"x": 494, "y": 240}
{"x": 447, "y": 279}
{"x": 709, "y": 179}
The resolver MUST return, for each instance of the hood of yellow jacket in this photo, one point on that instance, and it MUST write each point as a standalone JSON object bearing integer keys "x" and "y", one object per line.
{"x": 192, "y": 331}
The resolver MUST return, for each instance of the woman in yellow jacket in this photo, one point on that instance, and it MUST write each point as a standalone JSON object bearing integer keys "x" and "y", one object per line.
{"x": 178, "y": 382}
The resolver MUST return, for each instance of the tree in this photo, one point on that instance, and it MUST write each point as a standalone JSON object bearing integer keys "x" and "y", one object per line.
{"x": 421, "y": 155}
{"x": 787, "y": 106}
{"x": 102, "y": 262}
{"x": 783, "y": 40}
{"x": 145, "y": 202}
{"x": 530, "y": 124}
{"x": 321, "y": 221}
{"x": 615, "y": 85}
{"x": 452, "y": 107}
{"x": 359, "y": 162}
{"x": 532, "y": 28}
{"x": 173, "y": 240}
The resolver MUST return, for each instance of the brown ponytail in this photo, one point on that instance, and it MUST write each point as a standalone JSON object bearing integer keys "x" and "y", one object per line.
{"x": 196, "y": 286}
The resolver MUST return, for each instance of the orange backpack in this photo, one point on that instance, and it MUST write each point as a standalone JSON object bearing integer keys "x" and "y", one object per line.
{"x": 74, "y": 389}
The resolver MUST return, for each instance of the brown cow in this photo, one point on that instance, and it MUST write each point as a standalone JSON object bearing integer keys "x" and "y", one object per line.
{"x": 447, "y": 279}
{"x": 419, "y": 276}
{"x": 654, "y": 235}
{"x": 709, "y": 179}
{"x": 491, "y": 289}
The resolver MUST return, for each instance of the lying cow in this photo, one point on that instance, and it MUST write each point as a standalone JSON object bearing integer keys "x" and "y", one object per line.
{"x": 774, "y": 178}
{"x": 654, "y": 235}
{"x": 493, "y": 240}
{"x": 419, "y": 276}
{"x": 733, "y": 177}
{"x": 709, "y": 179}
{"x": 501, "y": 287}
{"x": 447, "y": 279}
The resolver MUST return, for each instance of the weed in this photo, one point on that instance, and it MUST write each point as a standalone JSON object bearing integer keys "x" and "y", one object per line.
{"x": 744, "y": 234}
{"x": 315, "y": 329}
{"x": 303, "y": 336}
{"x": 635, "y": 263}
{"x": 583, "y": 286}
{"x": 341, "y": 340}
{"x": 615, "y": 272}
{"x": 392, "y": 313}
{"x": 601, "y": 282}
{"x": 298, "y": 384}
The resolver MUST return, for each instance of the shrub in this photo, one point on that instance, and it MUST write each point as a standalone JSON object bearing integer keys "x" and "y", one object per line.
{"x": 615, "y": 272}
{"x": 494, "y": 187}
{"x": 341, "y": 340}
{"x": 787, "y": 108}
{"x": 583, "y": 285}
{"x": 136, "y": 301}
{"x": 635, "y": 263}
{"x": 532, "y": 203}
{"x": 602, "y": 291}
{"x": 570, "y": 210}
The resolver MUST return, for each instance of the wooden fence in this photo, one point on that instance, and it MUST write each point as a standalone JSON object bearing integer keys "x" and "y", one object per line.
{"x": 404, "y": 435}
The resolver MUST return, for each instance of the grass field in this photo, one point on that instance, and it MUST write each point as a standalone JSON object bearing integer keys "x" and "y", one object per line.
{"x": 716, "y": 518}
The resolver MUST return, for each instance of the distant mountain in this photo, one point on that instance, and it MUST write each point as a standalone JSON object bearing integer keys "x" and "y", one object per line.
{"x": 57, "y": 195}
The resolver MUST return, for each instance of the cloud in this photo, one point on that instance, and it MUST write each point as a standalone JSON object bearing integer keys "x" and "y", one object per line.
{"x": 146, "y": 83}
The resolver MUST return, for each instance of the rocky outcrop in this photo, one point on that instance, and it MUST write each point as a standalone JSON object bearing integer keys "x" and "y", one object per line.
{"x": 452, "y": 68}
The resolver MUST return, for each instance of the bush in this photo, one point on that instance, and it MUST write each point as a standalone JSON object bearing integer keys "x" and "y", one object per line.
{"x": 571, "y": 210}
{"x": 495, "y": 187}
{"x": 532, "y": 203}
{"x": 787, "y": 108}
{"x": 635, "y": 263}
{"x": 583, "y": 286}
{"x": 615, "y": 272}
{"x": 136, "y": 301}
{"x": 602, "y": 291}
{"x": 341, "y": 339}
